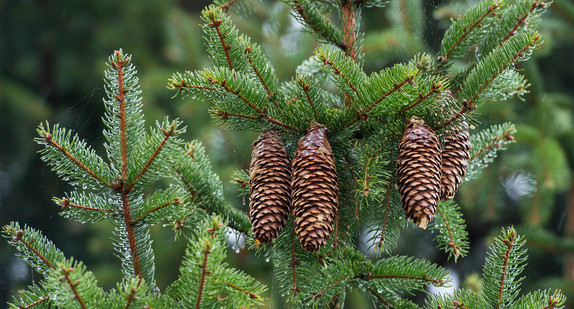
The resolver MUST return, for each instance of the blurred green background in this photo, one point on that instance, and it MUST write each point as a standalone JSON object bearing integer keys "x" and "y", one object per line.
{"x": 52, "y": 59}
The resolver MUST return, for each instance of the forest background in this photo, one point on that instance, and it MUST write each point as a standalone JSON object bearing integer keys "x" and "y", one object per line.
{"x": 51, "y": 62}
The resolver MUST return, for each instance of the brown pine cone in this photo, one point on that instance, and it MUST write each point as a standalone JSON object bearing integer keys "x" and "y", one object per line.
{"x": 418, "y": 172}
{"x": 455, "y": 157}
{"x": 315, "y": 189}
{"x": 270, "y": 187}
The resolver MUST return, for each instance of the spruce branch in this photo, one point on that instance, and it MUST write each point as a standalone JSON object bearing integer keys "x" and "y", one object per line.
{"x": 521, "y": 20}
{"x": 452, "y": 236}
{"x": 349, "y": 18}
{"x": 66, "y": 203}
{"x": 485, "y": 146}
{"x": 293, "y": 264}
{"x": 119, "y": 64}
{"x": 18, "y": 237}
{"x": 248, "y": 51}
{"x": 467, "y": 30}
{"x": 48, "y": 139}
{"x": 66, "y": 276}
{"x": 435, "y": 88}
{"x": 167, "y": 134}
{"x": 316, "y": 24}
{"x": 175, "y": 201}
{"x": 385, "y": 218}
{"x": 38, "y": 302}
{"x": 305, "y": 88}
{"x": 133, "y": 246}
{"x": 215, "y": 24}
{"x": 204, "y": 272}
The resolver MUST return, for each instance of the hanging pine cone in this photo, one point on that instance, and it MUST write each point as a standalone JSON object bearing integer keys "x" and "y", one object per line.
{"x": 418, "y": 172}
{"x": 315, "y": 189}
{"x": 455, "y": 157}
{"x": 270, "y": 187}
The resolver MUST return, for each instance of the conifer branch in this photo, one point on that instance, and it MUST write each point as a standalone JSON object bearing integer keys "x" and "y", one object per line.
{"x": 131, "y": 297}
{"x": 18, "y": 237}
{"x": 225, "y": 7}
{"x": 305, "y": 88}
{"x": 262, "y": 112}
{"x": 66, "y": 272}
{"x": 119, "y": 65}
{"x": 382, "y": 239}
{"x": 39, "y": 301}
{"x": 519, "y": 54}
{"x": 506, "y": 257}
{"x": 337, "y": 70}
{"x": 495, "y": 143}
{"x": 435, "y": 89}
{"x": 319, "y": 294}
{"x": 174, "y": 201}
{"x": 319, "y": 25}
{"x": 204, "y": 272}
{"x": 379, "y": 297}
{"x": 349, "y": 35}
{"x": 193, "y": 194}
{"x": 48, "y": 138}
{"x": 521, "y": 20}
{"x": 490, "y": 10}
{"x": 438, "y": 282}
{"x": 130, "y": 232}
{"x": 215, "y": 24}
{"x": 254, "y": 67}
{"x": 453, "y": 241}
{"x": 293, "y": 265}
{"x": 66, "y": 203}
{"x": 251, "y": 294}
{"x": 167, "y": 135}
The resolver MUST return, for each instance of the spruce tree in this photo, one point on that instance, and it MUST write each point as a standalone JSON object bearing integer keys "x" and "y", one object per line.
{"x": 340, "y": 125}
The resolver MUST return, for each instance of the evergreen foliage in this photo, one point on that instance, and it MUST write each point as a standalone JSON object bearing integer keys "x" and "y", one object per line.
{"x": 153, "y": 176}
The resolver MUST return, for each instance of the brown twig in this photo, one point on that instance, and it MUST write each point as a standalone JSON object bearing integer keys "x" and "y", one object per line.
{"x": 305, "y": 88}
{"x": 522, "y": 20}
{"x": 438, "y": 282}
{"x": 39, "y": 301}
{"x": 215, "y": 24}
{"x": 174, "y": 201}
{"x": 49, "y": 139}
{"x": 159, "y": 148}
{"x": 131, "y": 297}
{"x": 506, "y": 258}
{"x": 66, "y": 272}
{"x": 293, "y": 265}
{"x": 248, "y": 55}
{"x": 471, "y": 104}
{"x": 444, "y": 59}
{"x": 225, "y": 7}
{"x": 349, "y": 35}
{"x": 119, "y": 64}
{"x": 452, "y": 243}
{"x": 435, "y": 89}
{"x": 495, "y": 142}
{"x": 204, "y": 272}
{"x": 251, "y": 294}
{"x": 337, "y": 71}
{"x": 379, "y": 296}
{"x": 18, "y": 237}
{"x": 66, "y": 203}
{"x": 319, "y": 294}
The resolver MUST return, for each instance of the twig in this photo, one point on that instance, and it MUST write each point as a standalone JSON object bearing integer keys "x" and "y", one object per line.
{"x": 259, "y": 76}
{"x": 435, "y": 89}
{"x": 506, "y": 258}
{"x": 294, "y": 264}
{"x": 72, "y": 285}
{"x": 66, "y": 203}
{"x": 319, "y": 294}
{"x": 167, "y": 135}
{"x": 225, "y": 7}
{"x": 251, "y": 294}
{"x": 444, "y": 59}
{"x": 49, "y": 139}
{"x": 305, "y": 88}
{"x": 215, "y": 24}
{"x": 18, "y": 237}
{"x": 452, "y": 243}
{"x": 383, "y": 232}
{"x": 174, "y": 201}
{"x": 39, "y": 301}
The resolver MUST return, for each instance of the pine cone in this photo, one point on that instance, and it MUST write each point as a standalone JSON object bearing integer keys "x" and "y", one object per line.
{"x": 270, "y": 187}
{"x": 455, "y": 157}
{"x": 418, "y": 172}
{"x": 315, "y": 189}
